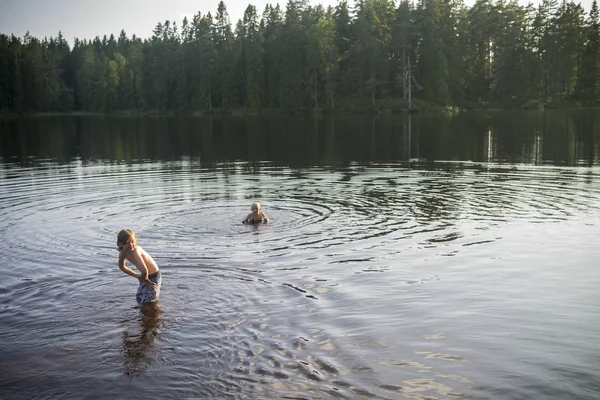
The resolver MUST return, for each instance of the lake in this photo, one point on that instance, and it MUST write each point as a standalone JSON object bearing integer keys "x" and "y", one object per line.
{"x": 436, "y": 257}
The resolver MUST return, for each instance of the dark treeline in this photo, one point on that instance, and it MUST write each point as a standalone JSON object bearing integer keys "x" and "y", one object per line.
{"x": 368, "y": 55}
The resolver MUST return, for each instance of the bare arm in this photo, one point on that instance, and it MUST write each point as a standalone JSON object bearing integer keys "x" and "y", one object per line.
{"x": 138, "y": 261}
{"x": 124, "y": 268}
{"x": 265, "y": 216}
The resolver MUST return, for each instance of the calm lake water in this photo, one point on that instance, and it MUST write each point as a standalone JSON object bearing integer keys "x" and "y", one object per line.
{"x": 437, "y": 258}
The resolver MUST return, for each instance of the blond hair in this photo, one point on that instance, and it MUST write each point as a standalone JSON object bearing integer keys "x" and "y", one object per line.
{"x": 124, "y": 236}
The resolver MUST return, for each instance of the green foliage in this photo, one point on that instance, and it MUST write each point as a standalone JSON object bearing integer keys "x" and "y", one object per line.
{"x": 370, "y": 56}
{"x": 588, "y": 85}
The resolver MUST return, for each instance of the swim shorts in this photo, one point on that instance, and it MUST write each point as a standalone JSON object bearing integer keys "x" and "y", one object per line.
{"x": 145, "y": 294}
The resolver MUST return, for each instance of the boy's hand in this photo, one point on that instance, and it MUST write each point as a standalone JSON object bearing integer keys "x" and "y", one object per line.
{"x": 150, "y": 284}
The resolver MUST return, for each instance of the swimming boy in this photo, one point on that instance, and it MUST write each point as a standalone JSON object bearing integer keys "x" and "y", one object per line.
{"x": 150, "y": 277}
{"x": 256, "y": 216}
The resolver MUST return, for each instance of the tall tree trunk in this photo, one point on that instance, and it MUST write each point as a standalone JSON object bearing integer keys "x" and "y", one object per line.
{"x": 316, "y": 90}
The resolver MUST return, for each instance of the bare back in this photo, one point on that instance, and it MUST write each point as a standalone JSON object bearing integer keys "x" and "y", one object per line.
{"x": 132, "y": 257}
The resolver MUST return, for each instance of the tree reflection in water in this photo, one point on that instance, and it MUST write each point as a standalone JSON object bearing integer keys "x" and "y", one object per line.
{"x": 138, "y": 342}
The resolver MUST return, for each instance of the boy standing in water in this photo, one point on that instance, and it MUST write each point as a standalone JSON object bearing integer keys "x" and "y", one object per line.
{"x": 256, "y": 216}
{"x": 150, "y": 277}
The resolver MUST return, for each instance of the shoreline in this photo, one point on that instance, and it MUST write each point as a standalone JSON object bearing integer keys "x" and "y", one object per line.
{"x": 278, "y": 112}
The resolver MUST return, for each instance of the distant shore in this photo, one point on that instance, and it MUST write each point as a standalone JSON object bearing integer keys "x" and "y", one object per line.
{"x": 280, "y": 112}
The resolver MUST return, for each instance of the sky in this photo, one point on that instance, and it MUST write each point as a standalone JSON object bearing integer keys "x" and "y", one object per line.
{"x": 86, "y": 19}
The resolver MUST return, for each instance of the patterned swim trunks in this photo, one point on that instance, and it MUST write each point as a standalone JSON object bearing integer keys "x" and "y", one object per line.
{"x": 145, "y": 294}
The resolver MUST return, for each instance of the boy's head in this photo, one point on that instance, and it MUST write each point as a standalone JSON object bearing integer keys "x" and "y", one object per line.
{"x": 124, "y": 237}
{"x": 255, "y": 208}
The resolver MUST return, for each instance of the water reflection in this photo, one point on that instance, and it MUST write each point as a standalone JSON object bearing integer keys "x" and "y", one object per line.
{"x": 558, "y": 137}
{"x": 376, "y": 280}
{"x": 138, "y": 341}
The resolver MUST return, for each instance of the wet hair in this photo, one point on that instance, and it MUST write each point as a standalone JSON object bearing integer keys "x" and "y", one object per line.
{"x": 256, "y": 204}
{"x": 124, "y": 236}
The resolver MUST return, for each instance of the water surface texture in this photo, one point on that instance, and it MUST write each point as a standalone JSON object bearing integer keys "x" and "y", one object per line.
{"x": 437, "y": 258}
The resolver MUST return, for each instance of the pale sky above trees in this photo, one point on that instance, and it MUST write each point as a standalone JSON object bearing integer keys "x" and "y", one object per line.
{"x": 87, "y": 19}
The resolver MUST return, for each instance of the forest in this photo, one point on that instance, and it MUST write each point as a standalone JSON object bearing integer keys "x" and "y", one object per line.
{"x": 371, "y": 55}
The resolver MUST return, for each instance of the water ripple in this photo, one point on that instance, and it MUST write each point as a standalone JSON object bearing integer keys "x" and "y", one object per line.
{"x": 284, "y": 309}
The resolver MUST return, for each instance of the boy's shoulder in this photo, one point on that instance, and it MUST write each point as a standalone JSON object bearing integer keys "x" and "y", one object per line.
{"x": 140, "y": 250}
